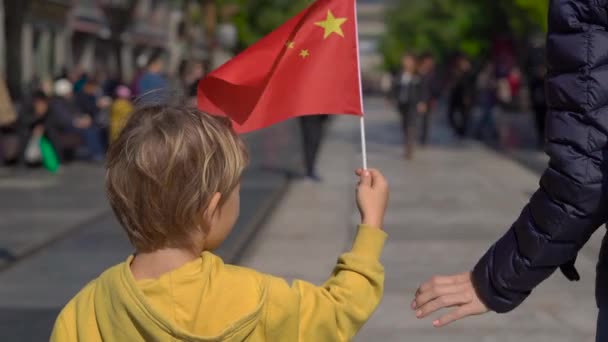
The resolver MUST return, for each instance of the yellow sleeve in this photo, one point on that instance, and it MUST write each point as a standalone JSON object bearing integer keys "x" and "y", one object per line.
{"x": 336, "y": 310}
{"x": 60, "y": 332}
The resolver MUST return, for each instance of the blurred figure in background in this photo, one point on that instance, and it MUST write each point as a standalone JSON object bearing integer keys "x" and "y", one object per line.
{"x": 460, "y": 102}
{"x": 120, "y": 111}
{"x": 425, "y": 95}
{"x": 538, "y": 101}
{"x": 197, "y": 71}
{"x": 33, "y": 125}
{"x": 405, "y": 93}
{"x": 71, "y": 127}
{"x": 486, "y": 98}
{"x": 86, "y": 100}
{"x": 153, "y": 85}
{"x": 312, "y": 134}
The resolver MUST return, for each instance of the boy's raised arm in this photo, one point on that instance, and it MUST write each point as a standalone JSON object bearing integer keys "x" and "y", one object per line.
{"x": 336, "y": 310}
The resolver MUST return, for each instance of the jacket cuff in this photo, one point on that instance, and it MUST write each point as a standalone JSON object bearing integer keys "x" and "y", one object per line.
{"x": 487, "y": 293}
{"x": 369, "y": 242}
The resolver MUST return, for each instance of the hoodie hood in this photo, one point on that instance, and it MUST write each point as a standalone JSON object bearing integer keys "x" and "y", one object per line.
{"x": 196, "y": 302}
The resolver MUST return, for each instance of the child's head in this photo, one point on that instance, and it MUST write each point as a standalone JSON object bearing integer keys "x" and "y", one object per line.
{"x": 123, "y": 92}
{"x": 173, "y": 178}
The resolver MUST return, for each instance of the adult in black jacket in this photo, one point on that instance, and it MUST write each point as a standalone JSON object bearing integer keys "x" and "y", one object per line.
{"x": 571, "y": 202}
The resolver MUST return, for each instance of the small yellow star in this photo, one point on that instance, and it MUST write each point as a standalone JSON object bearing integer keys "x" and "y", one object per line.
{"x": 332, "y": 25}
{"x": 304, "y": 54}
{"x": 290, "y": 44}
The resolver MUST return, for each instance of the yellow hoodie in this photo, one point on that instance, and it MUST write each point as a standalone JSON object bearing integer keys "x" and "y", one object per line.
{"x": 207, "y": 300}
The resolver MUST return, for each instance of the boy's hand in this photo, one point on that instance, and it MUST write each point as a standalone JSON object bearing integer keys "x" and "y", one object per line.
{"x": 372, "y": 197}
{"x": 455, "y": 291}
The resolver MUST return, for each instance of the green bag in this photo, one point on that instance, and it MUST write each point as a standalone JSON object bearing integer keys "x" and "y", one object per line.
{"x": 50, "y": 159}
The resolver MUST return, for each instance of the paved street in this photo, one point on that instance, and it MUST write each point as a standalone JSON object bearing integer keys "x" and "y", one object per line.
{"x": 446, "y": 208}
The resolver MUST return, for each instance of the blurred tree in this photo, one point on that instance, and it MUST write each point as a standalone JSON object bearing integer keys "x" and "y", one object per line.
{"x": 445, "y": 26}
{"x": 257, "y": 18}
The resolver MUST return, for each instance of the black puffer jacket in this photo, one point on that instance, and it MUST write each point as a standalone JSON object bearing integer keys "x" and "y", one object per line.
{"x": 571, "y": 202}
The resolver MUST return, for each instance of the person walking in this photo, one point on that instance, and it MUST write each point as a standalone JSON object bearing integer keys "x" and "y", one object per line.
{"x": 405, "y": 94}
{"x": 486, "y": 91}
{"x": 311, "y": 127}
{"x": 153, "y": 87}
{"x": 572, "y": 201}
{"x": 537, "y": 99}
{"x": 426, "y": 100}
{"x": 459, "y": 110}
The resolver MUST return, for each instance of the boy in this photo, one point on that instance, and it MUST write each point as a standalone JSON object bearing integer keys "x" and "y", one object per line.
{"x": 173, "y": 182}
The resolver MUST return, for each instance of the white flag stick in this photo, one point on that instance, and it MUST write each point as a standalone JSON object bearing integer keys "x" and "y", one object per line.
{"x": 363, "y": 145}
{"x": 363, "y": 142}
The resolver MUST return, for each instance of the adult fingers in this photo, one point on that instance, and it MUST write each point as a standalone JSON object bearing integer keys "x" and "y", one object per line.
{"x": 445, "y": 301}
{"x": 454, "y": 315}
{"x": 425, "y": 296}
{"x": 443, "y": 280}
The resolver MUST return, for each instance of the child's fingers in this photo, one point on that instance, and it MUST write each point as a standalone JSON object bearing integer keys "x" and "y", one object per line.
{"x": 366, "y": 178}
{"x": 378, "y": 179}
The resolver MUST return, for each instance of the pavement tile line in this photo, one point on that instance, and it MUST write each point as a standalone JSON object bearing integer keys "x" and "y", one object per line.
{"x": 15, "y": 259}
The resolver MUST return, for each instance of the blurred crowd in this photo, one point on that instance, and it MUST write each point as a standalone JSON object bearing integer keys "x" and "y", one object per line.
{"x": 78, "y": 114}
{"x": 476, "y": 95}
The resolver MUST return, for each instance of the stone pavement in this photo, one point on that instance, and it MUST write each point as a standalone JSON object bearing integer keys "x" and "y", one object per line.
{"x": 446, "y": 208}
{"x": 37, "y": 208}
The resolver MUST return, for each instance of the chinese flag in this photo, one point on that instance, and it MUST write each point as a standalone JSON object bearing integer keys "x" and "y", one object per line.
{"x": 308, "y": 66}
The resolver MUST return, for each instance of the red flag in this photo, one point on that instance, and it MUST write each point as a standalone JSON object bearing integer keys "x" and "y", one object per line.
{"x": 308, "y": 66}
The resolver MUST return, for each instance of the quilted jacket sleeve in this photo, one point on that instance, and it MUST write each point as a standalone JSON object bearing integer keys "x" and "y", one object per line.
{"x": 569, "y": 205}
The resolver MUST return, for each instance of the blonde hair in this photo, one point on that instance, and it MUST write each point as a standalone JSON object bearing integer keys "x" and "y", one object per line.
{"x": 163, "y": 170}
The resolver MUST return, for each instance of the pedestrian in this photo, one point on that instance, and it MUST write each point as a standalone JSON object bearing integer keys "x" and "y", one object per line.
{"x": 173, "y": 181}
{"x": 153, "y": 87}
{"x": 538, "y": 101}
{"x": 87, "y": 99}
{"x": 72, "y": 129}
{"x": 405, "y": 94}
{"x": 460, "y": 102}
{"x": 571, "y": 202}
{"x": 426, "y": 99}
{"x": 120, "y": 111}
{"x": 32, "y": 122}
{"x": 311, "y": 127}
{"x": 486, "y": 99}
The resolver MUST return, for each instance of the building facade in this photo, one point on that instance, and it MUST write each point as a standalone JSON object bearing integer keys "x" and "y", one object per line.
{"x": 48, "y": 38}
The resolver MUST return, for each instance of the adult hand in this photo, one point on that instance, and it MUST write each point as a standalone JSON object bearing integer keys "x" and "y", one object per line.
{"x": 455, "y": 291}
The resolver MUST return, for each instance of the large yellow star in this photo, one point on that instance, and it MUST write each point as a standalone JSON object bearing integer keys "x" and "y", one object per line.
{"x": 332, "y": 25}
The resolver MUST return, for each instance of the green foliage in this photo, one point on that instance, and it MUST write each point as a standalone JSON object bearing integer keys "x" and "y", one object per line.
{"x": 257, "y": 18}
{"x": 445, "y": 26}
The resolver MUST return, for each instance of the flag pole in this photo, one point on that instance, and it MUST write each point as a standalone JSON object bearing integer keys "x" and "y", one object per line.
{"x": 363, "y": 145}
{"x": 362, "y": 120}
